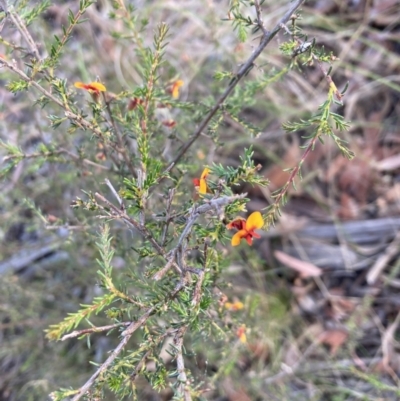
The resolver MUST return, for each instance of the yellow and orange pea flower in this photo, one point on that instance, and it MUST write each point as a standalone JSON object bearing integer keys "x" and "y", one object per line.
{"x": 175, "y": 88}
{"x": 241, "y": 334}
{"x": 201, "y": 182}
{"x": 94, "y": 88}
{"x": 234, "y": 306}
{"x": 246, "y": 228}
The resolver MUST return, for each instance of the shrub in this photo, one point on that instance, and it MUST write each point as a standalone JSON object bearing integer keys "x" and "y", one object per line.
{"x": 171, "y": 215}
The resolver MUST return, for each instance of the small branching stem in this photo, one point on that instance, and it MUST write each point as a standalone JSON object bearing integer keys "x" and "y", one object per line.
{"x": 183, "y": 388}
{"x": 50, "y": 154}
{"x": 197, "y": 289}
{"x": 78, "y": 333}
{"x": 16, "y": 19}
{"x": 120, "y": 140}
{"x": 171, "y": 194}
{"x": 272, "y": 212}
{"x": 259, "y": 18}
{"x": 115, "y": 193}
{"x": 127, "y": 334}
{"x": 68, "y": 32}
{"x": 117, "y": 213}
{"x": 154, "y": 344}
{"x": 328, "y": 78}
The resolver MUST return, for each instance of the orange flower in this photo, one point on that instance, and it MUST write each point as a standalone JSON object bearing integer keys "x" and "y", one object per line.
{"x": 94, "y": 88}
{"x": 201, "y": 183}
{"x": 91, "y": 87}
{"x": 235, "y": 306}
{"x": 246, "y": 228}
{"x": 175, "y": 88}
{"x": 241, "y": 334}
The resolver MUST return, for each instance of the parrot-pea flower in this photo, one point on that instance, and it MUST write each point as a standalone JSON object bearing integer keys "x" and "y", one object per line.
{"x": 201, "y": 182}
{"x": 246, "y": 228}
{"x": 175, "y": 88}
{"x": 241, "y": 334}
{"x": 94, "y": 88}
{"x": 234, "y": 306}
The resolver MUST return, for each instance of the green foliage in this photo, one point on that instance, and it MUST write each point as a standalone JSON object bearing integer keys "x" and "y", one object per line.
{"x": 17, "y": 86}
{"x": 59, "y": 43}
{"x": 247, "y": 172}
{"x": 241, "y": 23}
{"x": 29, "y": 15}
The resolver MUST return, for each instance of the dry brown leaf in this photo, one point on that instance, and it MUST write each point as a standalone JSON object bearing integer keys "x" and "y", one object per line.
{"x": 306, "y": 269}
{"x": 334, "y": 338}
{"x": 388, "y": 164}
{"x": 340, "y": 308}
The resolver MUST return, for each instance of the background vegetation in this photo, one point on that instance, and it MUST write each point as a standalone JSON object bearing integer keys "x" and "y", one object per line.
{"x": 316, "y": 296}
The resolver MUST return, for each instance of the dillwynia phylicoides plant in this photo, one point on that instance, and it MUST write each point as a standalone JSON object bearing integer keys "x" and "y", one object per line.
{"x": 179, "y": 220}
